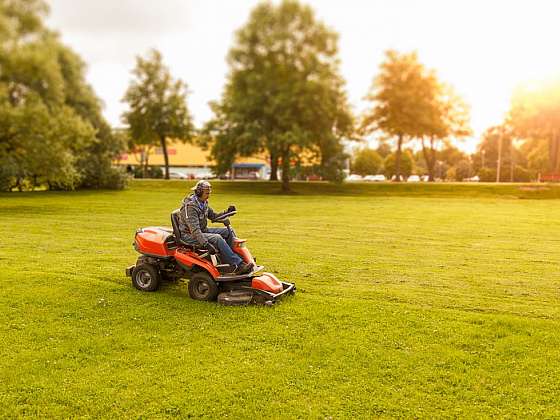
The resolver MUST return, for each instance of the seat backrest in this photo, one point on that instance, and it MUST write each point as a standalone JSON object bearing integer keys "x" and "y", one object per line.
{"x": 175, "y": 224}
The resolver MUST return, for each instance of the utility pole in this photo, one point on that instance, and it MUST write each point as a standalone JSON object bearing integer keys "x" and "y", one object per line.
{"x": 511, "y": 161}
{"x": 500, "y": 136}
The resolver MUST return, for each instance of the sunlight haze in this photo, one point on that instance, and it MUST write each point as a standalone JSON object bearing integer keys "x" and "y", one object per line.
{"x": 482, "y": 48}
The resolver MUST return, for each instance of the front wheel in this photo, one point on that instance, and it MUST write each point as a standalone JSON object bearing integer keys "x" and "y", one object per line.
{"x": 203, "y": 287}
{"x": 145, "y": 277}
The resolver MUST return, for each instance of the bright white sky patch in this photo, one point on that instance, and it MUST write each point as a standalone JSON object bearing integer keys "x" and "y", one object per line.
{"x": 482, "y": 48}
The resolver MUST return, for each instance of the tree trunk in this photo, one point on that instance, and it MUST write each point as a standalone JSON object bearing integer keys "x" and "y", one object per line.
{"x": 286, "y": 169}
{"x": 428, "y": 157}
{"x": 273, "y": 166}
{"x": 165, "y": 157}
{"x": 433, "y": 153}
{"x": 398, "y": 160}
{"x": 499, "y": 167}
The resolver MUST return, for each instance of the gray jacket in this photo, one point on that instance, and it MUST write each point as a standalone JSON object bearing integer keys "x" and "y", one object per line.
{"x": 193, "y": 219}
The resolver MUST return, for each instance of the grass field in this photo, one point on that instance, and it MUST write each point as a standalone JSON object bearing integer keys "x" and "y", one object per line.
{"x": 414, "y": 301}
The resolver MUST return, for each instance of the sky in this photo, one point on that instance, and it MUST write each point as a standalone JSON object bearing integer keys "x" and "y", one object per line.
{"x": 483, "y": 48}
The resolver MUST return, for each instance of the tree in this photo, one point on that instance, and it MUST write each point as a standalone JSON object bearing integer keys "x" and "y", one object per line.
{"x": 46, "y": 106}
{"x": 535, "y": 115}
{"x": 505, "y": 154}
{"x": 158, "y": 108}
{"x": 406, "y": 165}
{"x": 367, "y": 162}
{"x": 51, "y": 127}
{"x": 448, "y": 118}
{"x": 404, "y": 99}
{"x": 284, "y": 93}
{"x": 463, "y": 170}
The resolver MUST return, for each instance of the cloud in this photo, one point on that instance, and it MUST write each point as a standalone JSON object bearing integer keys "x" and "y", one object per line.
{"x": 108, "y": 18}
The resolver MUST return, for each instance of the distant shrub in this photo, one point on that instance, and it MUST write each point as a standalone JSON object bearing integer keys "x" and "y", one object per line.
{"x": 151, "y": 172}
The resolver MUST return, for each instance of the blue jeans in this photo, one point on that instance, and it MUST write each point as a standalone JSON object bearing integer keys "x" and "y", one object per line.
{"x": 223, "y": 241}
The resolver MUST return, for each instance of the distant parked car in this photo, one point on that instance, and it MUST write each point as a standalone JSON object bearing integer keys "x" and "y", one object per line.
{"x": 425, "y": 178}
{"x": 177, "y": 175}
{"x": 354, "y": 178}
{"x": 475, "y": 178}
{"x": 205, "y": 175}
{"x": 375, "y": 178}
{"x": 413, "y": 178}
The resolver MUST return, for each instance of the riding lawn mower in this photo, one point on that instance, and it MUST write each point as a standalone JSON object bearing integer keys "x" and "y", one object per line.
{"x": 165, "y": 256}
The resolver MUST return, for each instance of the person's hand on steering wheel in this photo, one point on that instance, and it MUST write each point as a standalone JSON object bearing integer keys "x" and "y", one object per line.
{"x": 231, "y": 208}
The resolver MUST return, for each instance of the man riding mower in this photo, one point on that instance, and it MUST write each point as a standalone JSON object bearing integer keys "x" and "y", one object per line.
{"x": 193, "y": 217}
{"x": 218, "y": 264}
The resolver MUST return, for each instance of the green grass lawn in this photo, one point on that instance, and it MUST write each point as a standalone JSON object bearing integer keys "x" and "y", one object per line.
{"x": 413, "y": 301}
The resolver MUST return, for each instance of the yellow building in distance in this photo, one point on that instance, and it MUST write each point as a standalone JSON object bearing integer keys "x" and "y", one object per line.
{"x": 192, "y": 161}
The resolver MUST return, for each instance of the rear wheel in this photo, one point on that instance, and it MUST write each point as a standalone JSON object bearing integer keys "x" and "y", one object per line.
{"x": 145, "y": 277}
{"x": 203, "y": 287}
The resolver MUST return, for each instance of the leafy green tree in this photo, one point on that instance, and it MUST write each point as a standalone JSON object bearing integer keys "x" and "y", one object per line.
{"x": 158, "y": 107}
{"x": 51, "y": 128}
{"x": 367, "y": 162}
{"x": 284, "y": 92}
{"x": 406, "y": 165}
{"x": 404, "y": 101}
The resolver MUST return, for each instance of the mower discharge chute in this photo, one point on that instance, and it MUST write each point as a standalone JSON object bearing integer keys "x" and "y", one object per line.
{"x": 166, "y": 257}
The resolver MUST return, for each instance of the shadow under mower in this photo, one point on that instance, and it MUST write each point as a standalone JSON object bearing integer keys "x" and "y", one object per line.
{"x": 164, "y": 256}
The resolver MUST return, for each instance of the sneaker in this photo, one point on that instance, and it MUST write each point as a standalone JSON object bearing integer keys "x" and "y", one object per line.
{"x": 243, "y": 268}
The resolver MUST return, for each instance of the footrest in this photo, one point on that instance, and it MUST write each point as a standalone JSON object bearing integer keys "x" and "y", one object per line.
{"x": 128, "y": 270}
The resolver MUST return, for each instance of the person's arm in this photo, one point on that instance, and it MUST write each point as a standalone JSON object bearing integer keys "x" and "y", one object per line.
{"x": 194, "y": 224}
{"x": 212, "y": 215}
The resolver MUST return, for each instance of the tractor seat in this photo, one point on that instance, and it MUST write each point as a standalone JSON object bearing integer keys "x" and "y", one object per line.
{"x": 193, "y": 247}
{"x": 177, "y": 232}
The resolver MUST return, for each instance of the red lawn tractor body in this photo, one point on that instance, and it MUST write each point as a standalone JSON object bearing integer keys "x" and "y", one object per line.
{"x": 164, "y": 257}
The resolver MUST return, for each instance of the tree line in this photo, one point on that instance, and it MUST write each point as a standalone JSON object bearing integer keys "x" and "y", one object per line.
{"x": 284, "y": 97}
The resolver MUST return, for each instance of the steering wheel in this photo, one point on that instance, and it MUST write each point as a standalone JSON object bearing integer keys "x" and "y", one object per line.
{"x": 223, "y": 217}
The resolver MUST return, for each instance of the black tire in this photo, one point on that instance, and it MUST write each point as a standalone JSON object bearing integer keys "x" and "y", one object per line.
{"x": 145, "y": 277}
{"x": 203, "y": 287}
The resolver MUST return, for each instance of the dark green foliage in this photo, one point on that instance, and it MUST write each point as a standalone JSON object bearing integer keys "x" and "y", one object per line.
{"x": 151, "y": 172}
{"x": 51, "y": 129}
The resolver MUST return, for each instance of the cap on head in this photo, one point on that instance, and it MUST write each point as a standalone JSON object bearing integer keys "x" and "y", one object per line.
{"x": 200, "y": 187}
